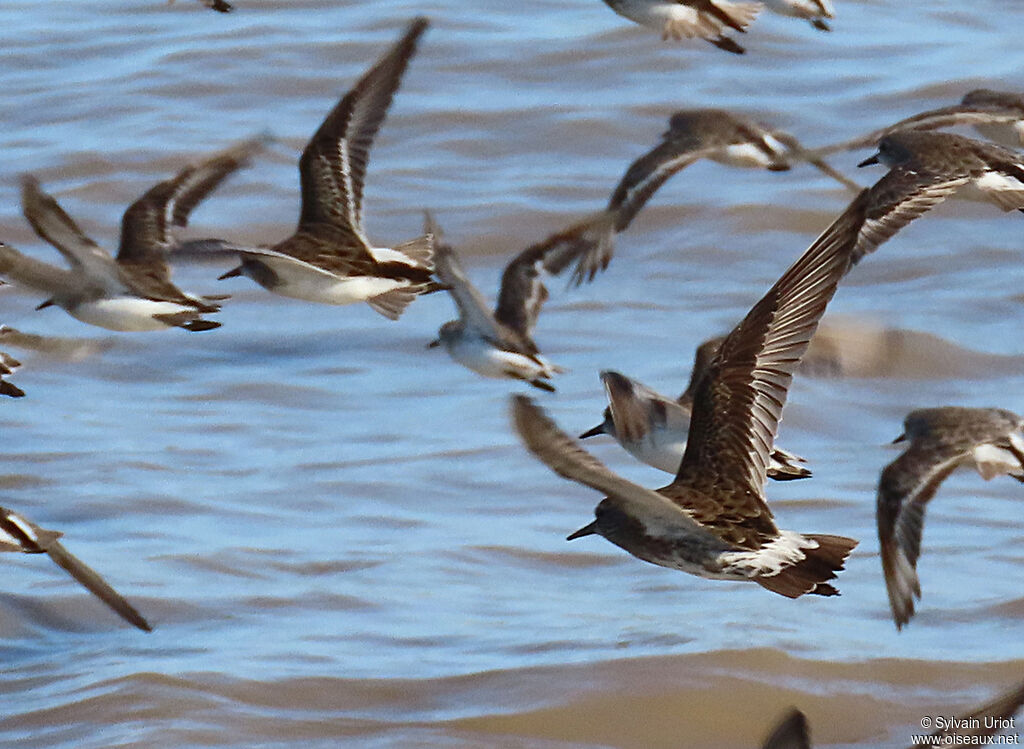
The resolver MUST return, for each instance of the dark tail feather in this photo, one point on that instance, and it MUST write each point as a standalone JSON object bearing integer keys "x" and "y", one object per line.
{"x": 12, "y": 391}
{"x": 788, "y": 473}
{"x": 543, "y": 385}
{"x": 820, "y": 25}
{"x": 809, "y": 575}
{"x": 724, "y": 42}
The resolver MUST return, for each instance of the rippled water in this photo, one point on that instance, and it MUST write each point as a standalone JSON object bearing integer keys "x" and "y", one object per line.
{"x": 333, "y": 529}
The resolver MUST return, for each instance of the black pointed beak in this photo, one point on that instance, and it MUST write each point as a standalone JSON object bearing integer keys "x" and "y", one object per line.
{"x": 231, "y": 273}
{"x": 587, "y": 530}
{"x": 435, "y": 343}
{"x": 599, "y": 429}
{"x": 44, "y": 305}
{"x": 869, "y": 161}
{"x": 899, "y": 439}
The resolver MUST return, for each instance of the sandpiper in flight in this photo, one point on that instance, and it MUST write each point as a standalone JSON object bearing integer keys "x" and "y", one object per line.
{"x": 132, "y": 292}
{"x": 329, "y": 259}
{"x": 925, "y": 168}
{"x": 941, "y": 440}
{"x": 815, "y": 11}
{"x": 19, "y": 534}
{"x": 997, "y": 115}
{"x": 689, "y": 19}
{"x": 695, "y": 134}
{"x": 712, "y": 520}
{"x": 652, "y": 427}
{"x": 500, "y": 344}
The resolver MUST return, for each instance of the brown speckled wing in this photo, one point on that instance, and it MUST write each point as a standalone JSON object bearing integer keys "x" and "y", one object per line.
{"x": 523, "y": 292}
{"x": 333, "y": 165}
{"x": 146, "y": 225}
{"x": 563, "y": 455}
{"x": 738, "y": 403}
{"x": 901, "y": 196}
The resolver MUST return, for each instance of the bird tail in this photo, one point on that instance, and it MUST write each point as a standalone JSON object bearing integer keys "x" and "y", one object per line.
{"x": 810, "y": 574}
{"x": 419, "y": 250}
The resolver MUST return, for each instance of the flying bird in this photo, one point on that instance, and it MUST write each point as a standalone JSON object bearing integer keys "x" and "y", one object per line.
{"x": 709, "y": 20}
{"x": 991, "y": 440}
{"x": 132, "y": 292}
{"x": 694, "y": 134}
{"x": 712, "y": 520}
{"x": 500, "y": 344}
{"x": 653, "y": 428}
{"x": 19, "y": 534}
{"x": 998, "y": 115}
{"x": 329, "y": 259}
{"x": 815, "y": 11}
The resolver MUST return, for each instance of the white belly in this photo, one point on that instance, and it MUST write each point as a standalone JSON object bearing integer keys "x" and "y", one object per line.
{"x": 126, "y": 313}
{"x": 661, "y": 448}
{"x": 480, "y": 356}
{"x": 800, "y": 8}
{"x": 341, "y": 290}
{"x": 303, "y": 281}
{"x": 751, "y": 156}
{"x": 654, "y": 14}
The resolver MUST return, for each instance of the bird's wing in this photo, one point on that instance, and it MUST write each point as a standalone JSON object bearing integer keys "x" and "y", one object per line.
{"x": 333, "y": 165}
{"x": 562, "y": 455}
{"x": 738, "y": 402}
{"x": 898, "y": 198}
{"x": 52, "y": 224}
{"x": 473, "y": 308}
{"x": 147, "y": 224}
{"x": 790, "y": 732}
{"x": 935, "y": 119}
{"x": 634, "y": 406}
{"x": 649, "y": 172}
{"x": 36, "y": 274}
{"x": 96, "y": 585}
{"x": 904, "y": 490}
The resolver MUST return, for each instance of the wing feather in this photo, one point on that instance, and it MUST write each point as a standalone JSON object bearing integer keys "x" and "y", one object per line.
{"x": 904, "y": 490}
{"x": 333, "y": 165}
{"x": 935, "y": 119}
{"x": 738, "y": 402}
{"x": 51, "y": 223}
{"x": 473, "y": 308}
{"x": 562, "y": 455}
{"x": 96, "y": 585}
{"x": 898, "y": 198}
{"x": 146, "y": 225}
